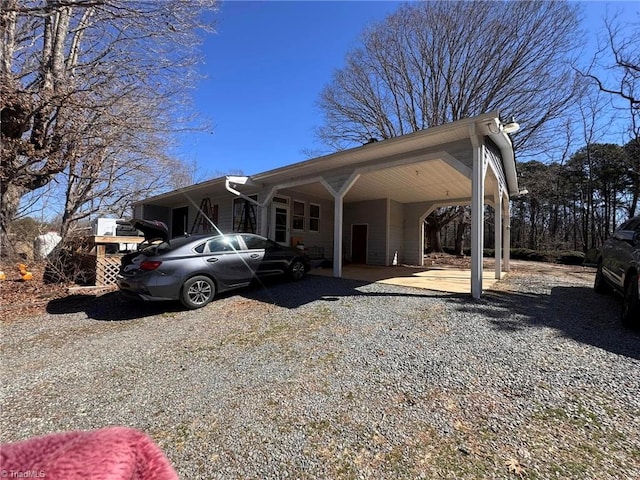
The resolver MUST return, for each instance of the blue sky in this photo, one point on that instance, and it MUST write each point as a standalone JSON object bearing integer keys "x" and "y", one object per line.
{"x": 264, "y": 70}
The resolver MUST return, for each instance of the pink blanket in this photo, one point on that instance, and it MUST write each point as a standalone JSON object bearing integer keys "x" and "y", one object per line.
{"x": 115, "y": 453}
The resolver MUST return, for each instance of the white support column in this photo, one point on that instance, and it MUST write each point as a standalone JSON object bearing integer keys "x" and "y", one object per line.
{"x": 506, "y": 233}
{"x": 264, "y": 220}
{"x": 264, "y": 212}
{"x": 388, "y": 256}
{"x": 338, "y": 208}
{"x": 420, "y": 233}
{"x": 477, "y": 213}
{"x": 497, "y": 210}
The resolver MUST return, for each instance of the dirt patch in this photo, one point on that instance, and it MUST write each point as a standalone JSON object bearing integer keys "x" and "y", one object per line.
{"x": 22, "y": 298}
{"x": 517, "y": 267}
{"x": 29, "y": 298}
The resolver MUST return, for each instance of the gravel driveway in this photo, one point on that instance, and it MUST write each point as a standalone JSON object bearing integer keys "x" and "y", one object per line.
{"x": 330, "y": 378}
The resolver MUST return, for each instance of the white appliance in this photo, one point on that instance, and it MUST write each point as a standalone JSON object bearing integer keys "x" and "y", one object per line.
{"x": 105, "y": 226}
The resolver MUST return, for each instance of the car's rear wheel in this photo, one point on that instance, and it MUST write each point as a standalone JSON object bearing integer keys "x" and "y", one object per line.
{"x": 297, "y": 270}
{"x": 631, "y": 304}
{"x": 197, "y": 292}
{"x": 600, "y": 285}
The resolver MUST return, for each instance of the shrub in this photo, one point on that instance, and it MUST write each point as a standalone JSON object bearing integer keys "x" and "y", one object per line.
{"x": 591, "y": 258}
{"x": 65, "y": 265}
{"x": 570, "y": 258}
{"x": 525, "y": 254}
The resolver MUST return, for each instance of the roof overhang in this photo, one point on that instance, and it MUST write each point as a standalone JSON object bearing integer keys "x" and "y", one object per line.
{"x": 428, "y": 165}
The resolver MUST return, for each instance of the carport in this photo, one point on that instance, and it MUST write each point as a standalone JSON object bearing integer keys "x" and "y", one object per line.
{"x": 467, "y": 162}
{"x": 437, "y": 278}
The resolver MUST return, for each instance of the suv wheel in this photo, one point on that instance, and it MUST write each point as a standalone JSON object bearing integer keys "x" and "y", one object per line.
{"x": 631, "y": 304}
{"x": 600, "y": 285}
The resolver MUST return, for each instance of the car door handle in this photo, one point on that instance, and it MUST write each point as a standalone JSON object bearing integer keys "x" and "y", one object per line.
{"x": 212, "y": 260}
{"x": 255, "y": 255}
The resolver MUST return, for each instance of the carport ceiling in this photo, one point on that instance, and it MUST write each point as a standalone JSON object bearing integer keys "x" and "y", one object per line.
{"x": 427, "y": 181}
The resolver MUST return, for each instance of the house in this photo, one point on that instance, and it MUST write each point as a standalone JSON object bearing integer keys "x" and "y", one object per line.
{"x": 366, "y": 204}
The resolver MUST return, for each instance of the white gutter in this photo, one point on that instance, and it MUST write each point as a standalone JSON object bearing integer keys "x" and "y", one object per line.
{"x": 232, "y": 181}
{"x": 494, "y": 130}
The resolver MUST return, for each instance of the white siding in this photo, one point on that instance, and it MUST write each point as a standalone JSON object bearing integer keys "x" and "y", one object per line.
{"x": 396, "y": 233}
{"x": 225, "y": 206}
{"x": 413, "y": 227}
{"x": 374, "y": 214}
{"x": 322, "y": 240}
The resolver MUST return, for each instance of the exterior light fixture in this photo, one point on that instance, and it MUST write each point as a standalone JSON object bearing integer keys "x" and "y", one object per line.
{"x": 511, "y": 126}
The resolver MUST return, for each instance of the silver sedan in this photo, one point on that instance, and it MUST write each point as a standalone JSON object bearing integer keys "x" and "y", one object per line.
{"x": 193, "y": 269}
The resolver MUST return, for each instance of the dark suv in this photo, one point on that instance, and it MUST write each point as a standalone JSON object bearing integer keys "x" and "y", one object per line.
{"x": 618, "y": 268}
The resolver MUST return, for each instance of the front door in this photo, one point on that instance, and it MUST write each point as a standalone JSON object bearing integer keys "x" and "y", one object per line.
{"x": 179, "y": 221}
{"x": 280, "y": 222}
{"x": 359, "y": 234}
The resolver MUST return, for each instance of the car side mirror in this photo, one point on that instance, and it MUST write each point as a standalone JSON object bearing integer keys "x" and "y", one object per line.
{"x": 626, "y": 235}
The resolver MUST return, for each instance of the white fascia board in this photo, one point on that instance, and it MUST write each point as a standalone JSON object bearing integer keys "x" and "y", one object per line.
{"x": 382, "y": 149}
{"x": 492, "y": 127}
{"x": 178, "y": 191}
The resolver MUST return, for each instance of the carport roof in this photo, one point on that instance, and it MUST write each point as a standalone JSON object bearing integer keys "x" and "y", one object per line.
{"x": 420, "y": 166}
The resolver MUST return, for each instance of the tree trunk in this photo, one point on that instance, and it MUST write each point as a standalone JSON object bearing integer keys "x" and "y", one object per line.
{"x": 533, "y": 227}
{"x": 460, "y": 228}
{"x": 434, "y": 240}
{"x": 11, "y": 195}
{"x": 432, "y": 234}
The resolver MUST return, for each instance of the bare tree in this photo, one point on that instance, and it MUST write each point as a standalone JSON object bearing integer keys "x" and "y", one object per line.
{"x": 85, "y": 82}
{"x": 615, "y": 68}
{"x": 114, "y": 166}
{"x": 435, "y": 62}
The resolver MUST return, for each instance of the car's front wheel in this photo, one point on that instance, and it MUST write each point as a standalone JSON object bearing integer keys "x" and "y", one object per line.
{"x": 631, "y": 304}
{"x": 297, "y": 270}
{"x": 600, "y": 285}
{"x": 197, "y": 292}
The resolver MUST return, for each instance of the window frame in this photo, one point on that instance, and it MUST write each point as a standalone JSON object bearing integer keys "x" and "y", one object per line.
{"x": 294, "y": 215}
{"x": 311, "y": 217}
{"x": 242, "y": 201}
{"x": 231, "y": 240}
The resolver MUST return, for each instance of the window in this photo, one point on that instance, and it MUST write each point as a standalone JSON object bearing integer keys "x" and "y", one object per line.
{"x": 256, "y": 242}
{"x": 314, "y": 217}
{"x": 244, "y": 215}
{"x": 298, "y": 215}
{"x": 253, "y": 242}
{"x": 222, "y": 244}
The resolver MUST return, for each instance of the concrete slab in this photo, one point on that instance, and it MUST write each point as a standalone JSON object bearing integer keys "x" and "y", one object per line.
{"x": 441, "y": 279}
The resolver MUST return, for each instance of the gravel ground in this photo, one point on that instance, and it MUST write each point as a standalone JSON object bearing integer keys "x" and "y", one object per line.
{"x": 331, "y": 378}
